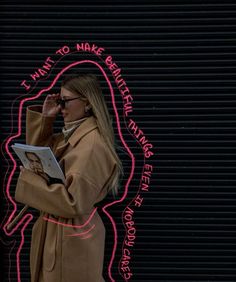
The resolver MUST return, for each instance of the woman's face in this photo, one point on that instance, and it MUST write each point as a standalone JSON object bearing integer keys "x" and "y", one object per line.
{"x": 73, "y": 110}
{"x": 35, "y": 162}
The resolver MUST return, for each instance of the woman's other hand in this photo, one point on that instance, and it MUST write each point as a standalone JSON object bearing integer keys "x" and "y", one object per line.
{"x": 50, "y": 106}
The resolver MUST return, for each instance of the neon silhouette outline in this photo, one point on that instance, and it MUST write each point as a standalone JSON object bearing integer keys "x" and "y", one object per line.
{"x": 28, "y": 217}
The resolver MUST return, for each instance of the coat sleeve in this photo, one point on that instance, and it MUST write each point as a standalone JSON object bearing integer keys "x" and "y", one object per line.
{"x": 39, "y": 128}
{"x": 76, "y": 197}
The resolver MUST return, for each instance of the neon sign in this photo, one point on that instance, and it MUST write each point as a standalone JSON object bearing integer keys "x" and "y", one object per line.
{"x": 128, "y": 215}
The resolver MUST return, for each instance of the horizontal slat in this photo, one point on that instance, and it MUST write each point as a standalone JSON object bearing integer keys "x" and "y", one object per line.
{"x": 179, "y": 62}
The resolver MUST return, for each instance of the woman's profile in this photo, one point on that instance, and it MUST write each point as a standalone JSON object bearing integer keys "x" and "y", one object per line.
{"x": 68, "y": 237}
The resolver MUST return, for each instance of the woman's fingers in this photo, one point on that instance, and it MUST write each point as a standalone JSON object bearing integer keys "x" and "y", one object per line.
{"x": 52, "y": 96}
{"x": 50, "y": 107}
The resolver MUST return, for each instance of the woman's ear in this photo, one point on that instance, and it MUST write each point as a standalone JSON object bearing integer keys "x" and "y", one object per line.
{"x": 87, "y": 108}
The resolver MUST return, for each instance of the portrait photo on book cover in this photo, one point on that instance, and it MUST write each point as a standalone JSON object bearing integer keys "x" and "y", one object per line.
{"x": 36, "y": 166}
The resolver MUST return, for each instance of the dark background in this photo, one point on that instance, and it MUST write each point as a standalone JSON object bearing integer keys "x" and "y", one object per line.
{"x": 178, "y": 59}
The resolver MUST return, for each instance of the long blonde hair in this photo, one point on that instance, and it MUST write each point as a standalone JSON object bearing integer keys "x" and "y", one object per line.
{"x": 88, "y": 88}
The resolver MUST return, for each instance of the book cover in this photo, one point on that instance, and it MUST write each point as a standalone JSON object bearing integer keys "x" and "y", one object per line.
{"x": 41, "y": 161}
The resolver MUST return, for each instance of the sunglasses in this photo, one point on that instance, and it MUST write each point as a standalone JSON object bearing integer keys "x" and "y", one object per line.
{"x": 62, "y": 102}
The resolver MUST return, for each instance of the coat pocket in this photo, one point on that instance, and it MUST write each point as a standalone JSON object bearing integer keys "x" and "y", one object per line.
{"x": 49, "y": 252}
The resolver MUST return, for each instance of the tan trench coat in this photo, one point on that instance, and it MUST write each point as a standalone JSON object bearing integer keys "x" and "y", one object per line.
{"x": 62, "y": 250}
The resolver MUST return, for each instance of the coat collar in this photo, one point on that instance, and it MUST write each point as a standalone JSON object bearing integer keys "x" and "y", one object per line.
{"x": 88, "y": 125}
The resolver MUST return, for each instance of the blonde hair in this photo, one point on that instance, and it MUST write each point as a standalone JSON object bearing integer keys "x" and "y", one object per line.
{"x": 88, "y": 88}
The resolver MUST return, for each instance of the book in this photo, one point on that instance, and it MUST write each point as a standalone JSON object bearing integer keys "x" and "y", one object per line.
{"x": 41, "y": 161}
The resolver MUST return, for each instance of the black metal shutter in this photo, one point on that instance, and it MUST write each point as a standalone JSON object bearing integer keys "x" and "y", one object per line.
{"x": 178, "y": 60}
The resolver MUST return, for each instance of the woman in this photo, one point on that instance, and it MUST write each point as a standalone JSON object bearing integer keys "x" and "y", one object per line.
{"x": 68, "y": 237}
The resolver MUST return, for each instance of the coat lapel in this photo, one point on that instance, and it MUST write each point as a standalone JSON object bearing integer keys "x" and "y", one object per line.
{"x": 88, "y": 125}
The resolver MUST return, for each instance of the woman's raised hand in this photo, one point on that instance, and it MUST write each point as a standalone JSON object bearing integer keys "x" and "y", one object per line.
{"x": 50, "y": 106}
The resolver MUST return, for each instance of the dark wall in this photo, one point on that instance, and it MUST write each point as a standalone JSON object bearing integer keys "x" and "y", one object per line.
{"x": 178, "y": 61}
